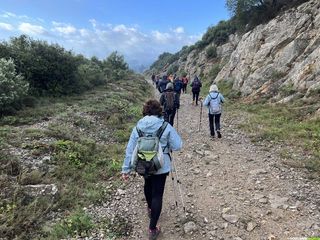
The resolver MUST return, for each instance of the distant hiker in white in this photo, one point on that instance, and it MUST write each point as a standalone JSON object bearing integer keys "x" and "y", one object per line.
{"x": 214, "y": 101}
{"x": 151, "y": 126}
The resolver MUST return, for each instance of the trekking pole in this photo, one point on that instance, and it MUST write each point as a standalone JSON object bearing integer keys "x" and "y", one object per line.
{"x": 177, "y": 120}
{"x": 174, "y": 189}
{"x": 200, "y": 115}
{"x": 178, "y": 183}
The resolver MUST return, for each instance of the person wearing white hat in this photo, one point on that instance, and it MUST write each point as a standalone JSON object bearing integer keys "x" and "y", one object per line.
{"x": 213, "y": 102}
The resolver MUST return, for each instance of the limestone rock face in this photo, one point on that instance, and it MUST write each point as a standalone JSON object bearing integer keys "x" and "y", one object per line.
{"x": 283, "y": 52}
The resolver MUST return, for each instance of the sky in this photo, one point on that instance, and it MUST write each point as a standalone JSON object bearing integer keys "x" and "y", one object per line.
{"x": 140, "y": 30}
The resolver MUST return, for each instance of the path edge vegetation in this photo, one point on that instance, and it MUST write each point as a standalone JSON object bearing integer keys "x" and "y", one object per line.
{"x": 61, "y": 149}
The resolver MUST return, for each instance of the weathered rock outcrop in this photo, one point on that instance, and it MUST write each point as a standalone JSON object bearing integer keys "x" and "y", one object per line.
{"x": 283, "y": 52}
{"x": 279, "y": 60}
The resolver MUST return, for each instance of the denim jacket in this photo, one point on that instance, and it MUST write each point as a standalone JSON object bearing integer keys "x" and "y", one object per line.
{"x": 170, "y": 141}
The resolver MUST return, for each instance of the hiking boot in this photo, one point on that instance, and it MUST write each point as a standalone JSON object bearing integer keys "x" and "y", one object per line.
{"x": 154, "y": 233}
{"x": 219, "y": 134}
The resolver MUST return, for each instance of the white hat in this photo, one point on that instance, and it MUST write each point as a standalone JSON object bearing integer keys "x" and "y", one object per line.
{"x": 214, "y": 88}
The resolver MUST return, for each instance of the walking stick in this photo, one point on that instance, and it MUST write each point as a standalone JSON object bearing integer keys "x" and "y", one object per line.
{"x": 177, "y": 120}
{"x": 200, "y": 114}
{"x": 178, "y": 182}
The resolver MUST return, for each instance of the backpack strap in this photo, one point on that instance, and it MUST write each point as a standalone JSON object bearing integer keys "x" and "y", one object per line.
{"x": 140, "y": 133}
{"x": 159, "y": 132}
{"x": 161, "y": 129}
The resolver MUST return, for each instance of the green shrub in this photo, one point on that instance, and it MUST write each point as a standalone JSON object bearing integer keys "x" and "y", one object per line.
{"x": 13, "y": 87}
{"x": 287, "y": 90}
{"x": 211, "y": 52}
{"x": 215, "y": 69}
{"x": 173, "y": 69}
{"x": 225, "y": 87}
{"x": 79, "y": 223}
{"x": 219, "y": 34}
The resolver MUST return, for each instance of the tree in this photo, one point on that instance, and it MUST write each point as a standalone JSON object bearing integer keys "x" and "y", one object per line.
{"x": 240, "y": 6}
{"x": 115, "y": 67}
{"x": 12, "y": 85}
{"x": 250, "y": 13}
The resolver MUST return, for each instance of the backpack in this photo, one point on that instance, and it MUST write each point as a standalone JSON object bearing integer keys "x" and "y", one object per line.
{"x": 162, "y": 85}
{"x": 169, "y": 101}
{"x": 147, "y": 157}
{"x": 177, "y": 86}
{"x": 196, "y": 85}
{"x": 214, "y": 104}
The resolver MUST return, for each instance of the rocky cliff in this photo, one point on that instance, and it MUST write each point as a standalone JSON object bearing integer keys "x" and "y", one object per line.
{"x": 282, "y": 54}
{"x": 279, "y": 60}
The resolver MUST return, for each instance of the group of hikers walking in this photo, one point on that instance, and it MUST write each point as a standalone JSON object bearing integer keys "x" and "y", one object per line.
{"x": 152, "y": 140}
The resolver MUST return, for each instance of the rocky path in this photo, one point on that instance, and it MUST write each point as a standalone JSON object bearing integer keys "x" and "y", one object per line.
{"x": 231, "y": 188}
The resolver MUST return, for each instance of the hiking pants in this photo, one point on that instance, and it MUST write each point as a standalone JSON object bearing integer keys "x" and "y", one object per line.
{"x": 184, "y": 87}
{"x": 216, "y": 119}
{"x": 153, "y": 191}
{"x": 195, "y": 96}
{"x": 169, "y": 116}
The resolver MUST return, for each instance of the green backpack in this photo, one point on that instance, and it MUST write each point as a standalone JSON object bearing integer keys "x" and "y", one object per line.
{"x": 147, "y": 157}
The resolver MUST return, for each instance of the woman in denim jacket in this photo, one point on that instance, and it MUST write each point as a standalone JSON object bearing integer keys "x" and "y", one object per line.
{"x": 154, "y": 184}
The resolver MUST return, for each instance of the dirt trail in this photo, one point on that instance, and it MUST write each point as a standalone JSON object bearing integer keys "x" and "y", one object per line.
{"x": 232, "y": 189}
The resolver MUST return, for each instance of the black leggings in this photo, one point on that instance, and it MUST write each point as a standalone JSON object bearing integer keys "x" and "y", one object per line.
{"x": 169, "y": 116}
{"x": 184, "y": 88}
{"x": 195, "y": 96}
{"x": 153, "y": 191}
{"x": 216, "y": 119}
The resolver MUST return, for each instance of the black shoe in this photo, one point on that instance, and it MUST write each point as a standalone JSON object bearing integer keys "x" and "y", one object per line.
{"x": 154, "y": 233}
{"x": 219, "y": 134}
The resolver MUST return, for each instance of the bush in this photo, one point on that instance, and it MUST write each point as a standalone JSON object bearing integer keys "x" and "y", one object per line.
{"x": 214, "y": 71}
{"x": 211, "y": 52}
{"x": 13, "y": 87}
{"x": 90, "y": 75}
{"x": 115, "y": 66}
{"x": 173, "y": 69}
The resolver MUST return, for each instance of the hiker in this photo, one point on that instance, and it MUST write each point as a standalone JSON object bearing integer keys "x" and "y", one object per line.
{"x": 163, "y": 84}
{"x": 170, "y": 102}
{"x": 196, "y": 86}
{"x": 177, "y": 86}
{"x": 157, "y": 80}
{"x": 185, "y": 81}
{"x": 153, "y": 78}
{"x": 213, "y": 101}
{"x": 153, "y": 184}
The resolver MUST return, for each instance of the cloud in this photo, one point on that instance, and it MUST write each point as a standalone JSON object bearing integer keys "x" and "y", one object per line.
{"x": 6, "y": 26}
{"x": 8, "y": 15}
{"x": 12, "y": 15}
{"x": 100, "y": 38}
{"x": 28, "y": 28}
{"x": 63, "y": 28}
{"x": 178, "y": 30}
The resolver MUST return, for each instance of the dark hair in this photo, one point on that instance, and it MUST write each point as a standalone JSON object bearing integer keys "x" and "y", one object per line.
{"x": 152, "y": 107}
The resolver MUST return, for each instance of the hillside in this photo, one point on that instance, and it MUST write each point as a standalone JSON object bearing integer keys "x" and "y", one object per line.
{"x": 277, "y": 61}
{"x": 61, "y": 156}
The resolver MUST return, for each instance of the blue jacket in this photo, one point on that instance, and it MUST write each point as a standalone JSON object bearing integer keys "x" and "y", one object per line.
{"x": 209, "y": 97}
{"x": 170, "y": 140}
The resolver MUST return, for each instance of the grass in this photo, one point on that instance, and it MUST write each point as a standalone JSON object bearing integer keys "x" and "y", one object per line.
{"x": 84, "y": 137}
{"x": 288, "y": 126}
